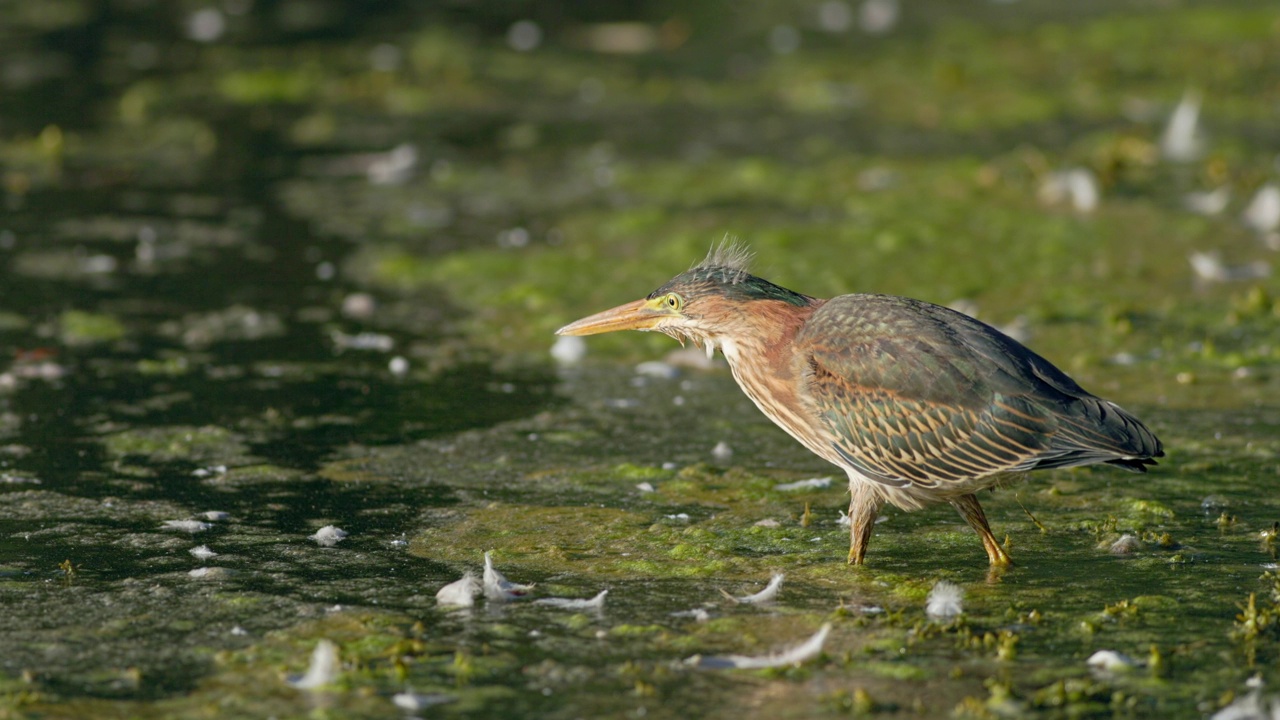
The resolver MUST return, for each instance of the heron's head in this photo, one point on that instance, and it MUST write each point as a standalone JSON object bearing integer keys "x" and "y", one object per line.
{"x": 717, "y": 299}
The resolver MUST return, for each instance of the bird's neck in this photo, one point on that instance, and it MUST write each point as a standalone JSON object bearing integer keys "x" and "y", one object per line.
{"x": 765, "y": 366}
{"x": 761, "y": 359}
{"x": 773, "y": 330}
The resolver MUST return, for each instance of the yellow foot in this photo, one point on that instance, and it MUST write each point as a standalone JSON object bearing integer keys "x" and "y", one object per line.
{"x": 996, "y": 555}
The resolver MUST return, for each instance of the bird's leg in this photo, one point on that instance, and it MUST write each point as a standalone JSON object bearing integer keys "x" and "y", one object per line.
{"x": 971, "y": 511}
{"x": 863, "y": 508}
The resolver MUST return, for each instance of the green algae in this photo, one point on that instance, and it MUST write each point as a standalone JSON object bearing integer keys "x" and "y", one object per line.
{"x": 171, "y": 366}
{"x": 1131, "y": 622}
{"x": 76, "y": 327}
{"x": 193, "y": 444}
{"x": 583, "y": 546}
{"x": 801, "y": 209}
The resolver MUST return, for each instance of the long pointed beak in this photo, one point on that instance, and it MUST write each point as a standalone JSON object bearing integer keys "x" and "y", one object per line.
{"x": 638, "y": 315}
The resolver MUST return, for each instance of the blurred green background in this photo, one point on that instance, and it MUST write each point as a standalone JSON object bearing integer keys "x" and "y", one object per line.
{"x": 532, "y": 161}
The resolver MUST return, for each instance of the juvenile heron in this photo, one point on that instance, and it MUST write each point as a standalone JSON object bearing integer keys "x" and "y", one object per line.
{"x": 916, "y": 402}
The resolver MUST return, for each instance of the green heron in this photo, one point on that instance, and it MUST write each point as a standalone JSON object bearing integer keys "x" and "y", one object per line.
{"x": 916, "y": 402}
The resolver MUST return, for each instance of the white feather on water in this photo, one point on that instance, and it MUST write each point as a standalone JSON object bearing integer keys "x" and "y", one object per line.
{"x": 845, "y": 520}
{"x": 791, "y": 656}
{"x": 945, "y": 601}
{"x": 1263, "y": 212}
{"x": 324, "y": 669}
{"x": 1111, "y": 661}
{"x": 810, "y": 484}
{"x": 595, "y": 603}
{"x": 187, "y": 526}
{"x": 1250, "y": 707}
{"x": 202, "y": 552}
{"x": 210, "y": 573}
{"x": 419, "y": 701}
{"x": 698, "y": 614}
{"x": 568, "y": 350}
{"x": 1076, "y": 187}
{"x": 767, "y": 595}
{"x": 1181, "y": 141}
{"x": 877, "y": 17}
{"x": 1208, "y": 202}
{"x": 461, "y": 592}
{"x": 1209, "y": 267}
{"x": 498, "y": 587}
{"x": 657, "y": 369}
{"x": 328, "y": 536}
{"x": 1126, "y": 545}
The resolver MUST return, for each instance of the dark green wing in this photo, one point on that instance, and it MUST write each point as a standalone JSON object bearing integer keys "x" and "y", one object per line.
{"x": 916, "y": 394}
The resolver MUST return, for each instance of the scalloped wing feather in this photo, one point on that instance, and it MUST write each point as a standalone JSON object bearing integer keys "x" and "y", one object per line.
{"x": 913, "y": 394}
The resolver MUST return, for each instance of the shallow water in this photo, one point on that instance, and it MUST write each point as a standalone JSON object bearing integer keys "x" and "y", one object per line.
{"x": 305, "y": 273}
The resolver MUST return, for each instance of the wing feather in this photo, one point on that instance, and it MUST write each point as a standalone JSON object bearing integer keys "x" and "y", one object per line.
{"x": 915, "y": 394}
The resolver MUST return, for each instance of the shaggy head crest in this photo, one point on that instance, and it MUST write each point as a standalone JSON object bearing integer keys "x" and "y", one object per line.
{"x": 728, "y": 258}
{"x": 724, "y": 273}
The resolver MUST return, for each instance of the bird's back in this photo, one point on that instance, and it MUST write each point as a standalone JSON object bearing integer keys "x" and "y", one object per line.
{"x": 917, "y": 394}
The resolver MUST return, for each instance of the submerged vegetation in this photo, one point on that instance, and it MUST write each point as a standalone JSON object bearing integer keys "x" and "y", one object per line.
{"x": 280, "y": 280}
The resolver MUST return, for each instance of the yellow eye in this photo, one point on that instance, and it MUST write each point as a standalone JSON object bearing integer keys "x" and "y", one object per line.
{"x": 674, "y": 301}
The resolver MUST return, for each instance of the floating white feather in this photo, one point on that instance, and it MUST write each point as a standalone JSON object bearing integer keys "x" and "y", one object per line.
{"x": 1076, "y": 187}
{"x": 498, "y": 587}
{"x": 1209, "y": 267}
{"x": 1250, "y": 707}
{"x": 203, "y": 552}
{"x": 698, "y": 614}
{"x": 767, "y": 595}
{"x": 1181, "y": 141}
{"x": 461, "y": 592}
{"x": 328, "y": 536}
{"x": 946, "y": 601}
{"x": 1208, "y": 202}
{"x": 324, "y": 669}
{"x": 419, "y": 701}
{"x": 569, "y": 350}
{"x": 1263, "y": 212}
{"x": 594, "y": 603}
{"x": 1125, "y": 545}
{"x": 187, "y": 526}
{"x": 792, "y": 656}
{"x": 1111, "y": 661}
{"x": 810, "y": 484}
